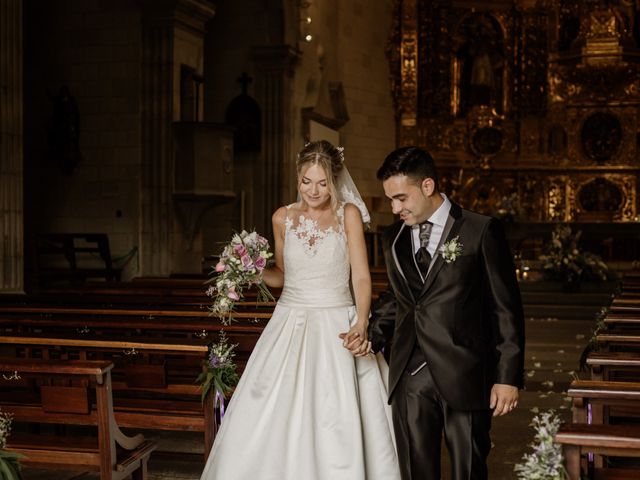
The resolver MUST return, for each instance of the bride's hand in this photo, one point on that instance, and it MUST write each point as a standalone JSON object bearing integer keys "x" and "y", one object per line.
{"x": 355, "y": 340}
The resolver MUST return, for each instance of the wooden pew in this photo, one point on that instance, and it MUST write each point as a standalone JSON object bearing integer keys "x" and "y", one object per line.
{"x": 607, "y": 396}
{"x": 609, "y": 366}
{"x": 147, "y": 403}
{"x": 260, "y": 313}
{"x": 613, "y": 440}
{"x": 600, "y": 394}
{"x": 627, "y": 340}
{"x": 625, "y": 321}
{"x": 72, "y": 247}
{"x": 113, "y": 454}
{"x": 130, "y": 323}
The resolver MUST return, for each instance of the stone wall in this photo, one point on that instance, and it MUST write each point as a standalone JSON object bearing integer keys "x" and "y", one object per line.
{"x": 93, "y": 47}
{"x": 348, "y": 46}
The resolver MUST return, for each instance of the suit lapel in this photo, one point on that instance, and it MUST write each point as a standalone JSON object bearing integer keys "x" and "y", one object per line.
{"x": 451, "y": 228}
{"x": 397, "y": 262}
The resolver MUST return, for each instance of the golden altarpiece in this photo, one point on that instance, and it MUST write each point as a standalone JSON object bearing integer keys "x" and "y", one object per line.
{"x": 530, "y": 108}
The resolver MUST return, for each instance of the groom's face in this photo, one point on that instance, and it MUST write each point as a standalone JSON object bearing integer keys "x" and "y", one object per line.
{"x": 414, "y": 201}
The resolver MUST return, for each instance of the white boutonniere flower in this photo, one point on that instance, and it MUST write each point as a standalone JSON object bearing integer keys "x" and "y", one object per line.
{"x": 451, "y": 250}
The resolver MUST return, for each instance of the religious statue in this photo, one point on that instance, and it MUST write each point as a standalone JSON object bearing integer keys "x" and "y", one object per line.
{"x": 482, "y": 61}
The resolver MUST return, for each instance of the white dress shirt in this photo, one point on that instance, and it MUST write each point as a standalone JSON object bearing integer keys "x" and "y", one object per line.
{"x": 438, "y": 218}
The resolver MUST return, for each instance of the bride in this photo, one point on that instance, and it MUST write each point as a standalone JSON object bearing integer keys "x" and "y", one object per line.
{"x": 312, "y": 401}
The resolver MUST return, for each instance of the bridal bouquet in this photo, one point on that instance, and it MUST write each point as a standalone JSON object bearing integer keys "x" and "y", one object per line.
{"x": 9, "y": 461}
{"x": 241, "y": 265}
{"x": 219, "y": 370}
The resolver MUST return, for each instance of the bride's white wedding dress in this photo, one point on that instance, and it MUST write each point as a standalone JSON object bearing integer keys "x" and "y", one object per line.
{"x": 305, "y": 408}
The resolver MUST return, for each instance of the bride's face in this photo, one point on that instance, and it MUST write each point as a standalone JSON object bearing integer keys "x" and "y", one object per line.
{"x": 314, "y": 188}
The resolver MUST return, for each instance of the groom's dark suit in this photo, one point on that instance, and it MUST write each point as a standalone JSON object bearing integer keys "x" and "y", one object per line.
{"x": 465, "y": 320}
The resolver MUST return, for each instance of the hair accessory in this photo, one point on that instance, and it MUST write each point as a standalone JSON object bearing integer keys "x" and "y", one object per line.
{"x": 340, "y": 153}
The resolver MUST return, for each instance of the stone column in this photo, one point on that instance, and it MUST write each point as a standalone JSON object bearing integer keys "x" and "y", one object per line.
{"x": 155, "y": 180}
{"x": 160, "y": 21}
{"x": 273, "y": 76}
{"x": 11, "y": 151}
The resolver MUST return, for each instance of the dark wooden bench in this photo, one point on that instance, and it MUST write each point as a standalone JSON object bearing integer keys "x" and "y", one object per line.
{"x": 628, "y": 339}
{"x": 32, "y": 393}
{"x": 611, "y": 440}
{"x": 600, "y": 394}
{"x": 154, "y": 387}
{"x": 78, "y": 250}
{"x": 609, "y": 366}
{"x": 622, "y": 321}
{"x": 154, "y": 382}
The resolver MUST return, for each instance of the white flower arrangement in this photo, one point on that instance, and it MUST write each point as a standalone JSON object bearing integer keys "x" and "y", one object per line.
{"x": 546, "y": 461}
{"x": 451, "y": 250}
{"x": 564, "y": 260}
{"x": 5, "y": 428}
{"x": 9, "y": 461}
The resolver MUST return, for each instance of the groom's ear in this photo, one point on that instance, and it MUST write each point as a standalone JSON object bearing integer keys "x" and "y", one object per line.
{"x": 428, "y": 186}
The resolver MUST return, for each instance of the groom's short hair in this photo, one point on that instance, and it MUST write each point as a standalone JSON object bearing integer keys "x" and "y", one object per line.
{"x": 413, "y": 162}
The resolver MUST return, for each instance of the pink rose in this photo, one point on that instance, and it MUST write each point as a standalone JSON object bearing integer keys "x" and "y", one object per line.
{"x": 220, "y": 267}
{"x": 246, "y": 262}
{"x": 240, "y": 250}
{"x": 233, "y": 295}
{"x": 260, "y": 263}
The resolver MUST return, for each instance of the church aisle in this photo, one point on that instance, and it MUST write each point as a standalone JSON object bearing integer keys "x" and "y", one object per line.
{"x": 552, "y": 357}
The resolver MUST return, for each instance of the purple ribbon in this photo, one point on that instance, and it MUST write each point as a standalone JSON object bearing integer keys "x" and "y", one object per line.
{"x": 589, "y": 421}
{"x": 219, "y": 402}
{"x": 218, "y": 409}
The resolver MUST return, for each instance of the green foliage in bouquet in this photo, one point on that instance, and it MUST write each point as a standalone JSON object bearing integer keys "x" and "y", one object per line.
{"x": 545, "y": 462}
{"x": 565, "y": 261}
{"x": 9, "y": 461}
{"x": 219, "y": 370}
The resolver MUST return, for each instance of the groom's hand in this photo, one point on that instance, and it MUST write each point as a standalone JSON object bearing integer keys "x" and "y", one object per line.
{"x": 355, "y": 340}
{"x": 504, "y": 398}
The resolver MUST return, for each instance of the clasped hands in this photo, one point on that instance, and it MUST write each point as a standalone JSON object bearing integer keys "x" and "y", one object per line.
{"x": 355, "y": 340}
{"x": 503, "y": 399}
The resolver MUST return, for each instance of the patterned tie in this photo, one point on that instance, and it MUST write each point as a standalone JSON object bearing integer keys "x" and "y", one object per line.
{"x": 423, "y": 257}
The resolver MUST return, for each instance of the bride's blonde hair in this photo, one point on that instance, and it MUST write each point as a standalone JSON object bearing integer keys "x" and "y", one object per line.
{"x": 327, "y": 156}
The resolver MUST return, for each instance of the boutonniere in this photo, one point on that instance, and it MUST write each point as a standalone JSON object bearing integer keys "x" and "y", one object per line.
{"x": 451, "y": 250}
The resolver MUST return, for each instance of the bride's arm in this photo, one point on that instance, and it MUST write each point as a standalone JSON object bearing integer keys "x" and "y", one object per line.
{"x": 273, "y": 276}
{"x": 360, "y": 275}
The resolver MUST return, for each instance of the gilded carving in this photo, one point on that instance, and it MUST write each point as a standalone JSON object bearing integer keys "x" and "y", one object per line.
{"x": 609, "y": 197}
{"x": 409, "y": 74}
{"x": 557, "y": 199}
{"x": 602, "y": 24}
{"x": 393, "y": 55}
{"x": 530, "y": 108}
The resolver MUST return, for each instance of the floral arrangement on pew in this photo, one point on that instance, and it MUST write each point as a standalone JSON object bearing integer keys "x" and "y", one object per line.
{"x": 592, "y": 344}
{"x": 219, "y": 371}
{"x": 241, "y": 265}
{"x": 546, "y": 461}
{"x": 9, "y": 461}
{"x": 564, "y": 260}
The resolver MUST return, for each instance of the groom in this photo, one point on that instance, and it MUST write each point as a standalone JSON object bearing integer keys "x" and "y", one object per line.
{"x": 454, "y": 316}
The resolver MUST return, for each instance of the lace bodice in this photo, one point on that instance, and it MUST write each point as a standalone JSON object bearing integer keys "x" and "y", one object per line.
{"x": 316, "y": 263}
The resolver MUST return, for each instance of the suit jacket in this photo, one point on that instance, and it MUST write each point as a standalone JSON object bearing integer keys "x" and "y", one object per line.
{"x": 467, "y": 317}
